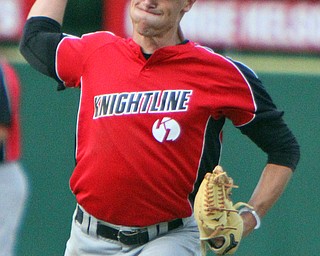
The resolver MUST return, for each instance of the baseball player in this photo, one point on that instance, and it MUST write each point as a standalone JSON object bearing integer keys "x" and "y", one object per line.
{"x": 149, "y": 126}
{"x": 13, "y": 182}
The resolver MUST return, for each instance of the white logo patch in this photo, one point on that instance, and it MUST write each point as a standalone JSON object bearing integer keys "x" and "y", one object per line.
{"x": 166, "y": 129}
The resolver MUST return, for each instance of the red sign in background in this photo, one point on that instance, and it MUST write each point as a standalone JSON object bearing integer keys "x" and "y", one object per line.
{"x": 115, "y": 12}
{"x": 286, "y": 25}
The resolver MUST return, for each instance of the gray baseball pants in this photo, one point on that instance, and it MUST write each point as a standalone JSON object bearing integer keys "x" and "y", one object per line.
{"x": 83, "y": 241}
{"x": 13, "y": 196}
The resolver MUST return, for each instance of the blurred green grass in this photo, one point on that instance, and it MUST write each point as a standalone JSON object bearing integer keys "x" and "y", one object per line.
{"x": 308, "y": 64}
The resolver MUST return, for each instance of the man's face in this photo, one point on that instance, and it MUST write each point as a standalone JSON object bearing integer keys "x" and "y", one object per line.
{"x": 154, "y": 17}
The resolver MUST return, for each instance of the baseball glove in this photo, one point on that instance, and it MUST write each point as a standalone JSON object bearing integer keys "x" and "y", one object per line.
{"x": 216, "y": 216}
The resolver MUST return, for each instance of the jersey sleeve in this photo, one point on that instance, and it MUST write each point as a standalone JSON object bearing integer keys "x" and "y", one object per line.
{"x": 69, "y": 61}
{"x": 56, "y": 54}
{"x": 40, "y": 38}
{"x": 268, "y": 129}
{"x": 73, "y": 53}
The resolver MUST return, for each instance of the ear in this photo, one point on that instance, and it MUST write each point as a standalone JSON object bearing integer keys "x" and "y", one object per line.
{"x": 188, "y": 5}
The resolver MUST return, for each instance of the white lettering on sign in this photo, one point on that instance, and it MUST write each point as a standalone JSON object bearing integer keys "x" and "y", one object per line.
{"x": 211, "y": 21}
{"x": 283, "y": 25}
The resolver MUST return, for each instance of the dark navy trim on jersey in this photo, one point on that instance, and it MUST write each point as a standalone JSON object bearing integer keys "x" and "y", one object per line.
{"x": 41, "y": 36}
{"x": 1, "y": 152}
{"x": 211, "y": 152}
{"x": 5, "y": 116}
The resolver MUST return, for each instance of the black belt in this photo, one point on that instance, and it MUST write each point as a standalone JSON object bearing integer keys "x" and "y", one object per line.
{"x": 139, "y": 236}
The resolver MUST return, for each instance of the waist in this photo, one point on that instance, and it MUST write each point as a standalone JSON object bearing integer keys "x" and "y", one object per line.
{"x": 123, "y": 234}
{"x": 129, "y": 201}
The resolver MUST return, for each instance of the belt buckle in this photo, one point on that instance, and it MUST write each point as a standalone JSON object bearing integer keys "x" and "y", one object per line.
{"x": 122, "y": 235}
{"x": 130, "y": 237}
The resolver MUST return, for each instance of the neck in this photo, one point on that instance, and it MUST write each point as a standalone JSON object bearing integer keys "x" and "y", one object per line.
{"x": 150, "y": 44}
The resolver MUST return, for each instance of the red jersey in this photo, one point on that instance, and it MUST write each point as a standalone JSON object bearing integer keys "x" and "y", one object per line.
{"x": 141, "y": 123}
{"x": 10, "y": 88}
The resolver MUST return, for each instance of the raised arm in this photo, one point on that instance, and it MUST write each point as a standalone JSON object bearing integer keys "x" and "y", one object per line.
{"x": 48, "y": 8}
{"x": 42, "y": 34}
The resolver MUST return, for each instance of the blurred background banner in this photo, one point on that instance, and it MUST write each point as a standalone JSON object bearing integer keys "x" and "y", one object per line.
{"x": 254, "y": 25}
{"x": 290, "y": 26}
{"x": 266, "y": 25}
{"x": 12, "y": 16}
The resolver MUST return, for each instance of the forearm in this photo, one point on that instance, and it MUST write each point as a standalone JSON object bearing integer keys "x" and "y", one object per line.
{"x": 271, "y": 185}
{"x": 48, "y": 8}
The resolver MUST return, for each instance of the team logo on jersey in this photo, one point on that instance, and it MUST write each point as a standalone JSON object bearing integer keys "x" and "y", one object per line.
{"x": 166, "y": 129}
{"x": 116, "y": 104}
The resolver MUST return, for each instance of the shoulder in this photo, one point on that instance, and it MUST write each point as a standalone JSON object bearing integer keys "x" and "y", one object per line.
{"x": 94, "y": 38}
{"x": 207, "y": 53}
{"x": 237, "y": 65}
{"x": 106, "y": 36}
{"x": 90, "y": 41}
{"x": 246, "y": 70}
{"x": 100, "y": 38}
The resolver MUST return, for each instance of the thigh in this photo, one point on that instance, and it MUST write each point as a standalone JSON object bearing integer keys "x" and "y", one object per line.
{"x": 183, "y": 241}
{"x": 82, "y": 244}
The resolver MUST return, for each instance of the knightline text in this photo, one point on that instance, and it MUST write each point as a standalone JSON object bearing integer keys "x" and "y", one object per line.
{"x": 141, "y": 102}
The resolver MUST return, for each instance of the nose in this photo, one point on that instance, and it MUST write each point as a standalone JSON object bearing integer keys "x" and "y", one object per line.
{"x": 150, "y": 3}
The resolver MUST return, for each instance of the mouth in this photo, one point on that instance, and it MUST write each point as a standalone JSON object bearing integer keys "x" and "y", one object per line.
{"x": 149, "y": 11}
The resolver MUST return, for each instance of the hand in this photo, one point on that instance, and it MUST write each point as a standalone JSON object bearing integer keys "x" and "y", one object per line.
{"x": 249, "y": 222}
{"x": 216, "y": 242}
